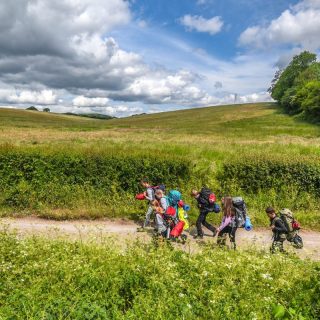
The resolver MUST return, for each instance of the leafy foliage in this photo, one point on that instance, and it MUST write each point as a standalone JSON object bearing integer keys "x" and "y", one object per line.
{"x": 297, "y": 87}
{"x": 262, "y": 173}
{"x": 32, "y": 179}
{"x": 43, "y": 279}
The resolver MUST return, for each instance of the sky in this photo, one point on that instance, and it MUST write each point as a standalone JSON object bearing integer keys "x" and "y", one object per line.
{"x": 122, "y": 57}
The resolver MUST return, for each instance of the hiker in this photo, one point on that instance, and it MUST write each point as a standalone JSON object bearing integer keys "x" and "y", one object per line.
{"x": 229, "y": 224}
{"x": 206, "y": 203}
{"x": 160, "y": 207}
{"x": 279, "y": 231}
{"x": 293, "y": 227}
{"x": 149, "y": 196}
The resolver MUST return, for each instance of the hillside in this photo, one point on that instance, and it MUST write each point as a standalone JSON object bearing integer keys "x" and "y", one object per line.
{"x": 92, "y": 167}
{"x": 34, "y": 119}
{"x": 261, "y": 127}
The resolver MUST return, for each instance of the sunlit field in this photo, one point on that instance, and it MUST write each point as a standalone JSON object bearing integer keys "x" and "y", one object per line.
{"x": 206, "y": 138}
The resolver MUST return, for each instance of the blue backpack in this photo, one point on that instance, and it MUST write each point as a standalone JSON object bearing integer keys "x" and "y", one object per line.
{"x": 174, "y": 196}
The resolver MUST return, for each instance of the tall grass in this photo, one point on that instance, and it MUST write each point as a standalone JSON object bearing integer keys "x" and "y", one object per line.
{"x": 209, "y": 138}
{"x": 43, "y": 279}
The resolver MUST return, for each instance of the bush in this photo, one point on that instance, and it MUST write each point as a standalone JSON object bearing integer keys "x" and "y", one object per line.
{"x": 31, "y": 179}
{"x": 253, "y": 174}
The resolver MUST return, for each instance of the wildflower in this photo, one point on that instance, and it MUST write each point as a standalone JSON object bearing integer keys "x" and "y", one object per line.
{"x": 266, "y": 276}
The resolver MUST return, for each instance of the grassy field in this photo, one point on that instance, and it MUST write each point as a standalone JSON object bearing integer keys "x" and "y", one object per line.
{"x": 208, "y": 137}
{"x": 56, "y": 279}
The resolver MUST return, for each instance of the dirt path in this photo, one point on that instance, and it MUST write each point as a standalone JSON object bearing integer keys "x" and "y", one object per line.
{"x": 125, "y": 230}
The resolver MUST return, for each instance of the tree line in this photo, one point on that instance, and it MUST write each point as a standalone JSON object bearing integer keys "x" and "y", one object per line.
{"x": 297, "y": 87}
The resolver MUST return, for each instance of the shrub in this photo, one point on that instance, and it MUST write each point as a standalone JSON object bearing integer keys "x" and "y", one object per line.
{"x": 30, "y": 179}
{"x": 253, "y": 174}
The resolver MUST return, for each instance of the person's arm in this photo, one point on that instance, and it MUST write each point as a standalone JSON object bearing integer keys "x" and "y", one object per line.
{"x": 280, "y": 227}
{"x": 149, "y": 194}
{"x": 163, "y": 204}
{"x": 224, "y": 223}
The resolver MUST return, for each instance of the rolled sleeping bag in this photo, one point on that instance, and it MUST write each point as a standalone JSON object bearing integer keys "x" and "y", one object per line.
{"x": 248, "y": 225}
{"x": 180, "y": 204}
{"x": 216, "y": 208}
{"x": 186, "y": 207}
{"x": 177, "y": 230}
{"x": 140, "y": 196}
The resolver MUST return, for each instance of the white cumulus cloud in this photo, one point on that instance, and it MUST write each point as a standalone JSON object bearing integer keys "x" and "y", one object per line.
{"x": 297, "y": 26}
{"x": 82, "y": 101}
{"x": 45, "y": 97}
{"x": 200, "y": 24}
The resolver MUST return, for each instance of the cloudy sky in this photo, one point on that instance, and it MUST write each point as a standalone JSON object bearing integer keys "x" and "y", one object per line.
{"x": 122, "y": 57}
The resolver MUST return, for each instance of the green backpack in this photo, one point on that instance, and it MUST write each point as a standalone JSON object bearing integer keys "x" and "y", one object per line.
{"x": 287, "y": 217}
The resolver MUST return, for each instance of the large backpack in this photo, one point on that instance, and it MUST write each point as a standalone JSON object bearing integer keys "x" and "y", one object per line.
{"x": 241, "y": 211}
{"x": 173, "y": 197}
{"x": 287, "y": 217}
{"x": 161, "y": 187}
{"x": 208, "y": 198}
{"x": 289, "y": 221}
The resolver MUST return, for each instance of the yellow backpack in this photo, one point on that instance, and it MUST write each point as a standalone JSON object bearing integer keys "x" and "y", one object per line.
{"x": 182, "y": 215}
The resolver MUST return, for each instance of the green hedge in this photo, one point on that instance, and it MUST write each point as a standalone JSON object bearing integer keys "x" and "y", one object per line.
{"x": 29, "y": 178}
{"x": 253, "y": 174}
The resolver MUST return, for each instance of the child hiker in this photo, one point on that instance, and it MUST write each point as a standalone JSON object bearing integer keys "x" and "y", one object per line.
{"x": 279, "y": 230}
{"x": 160, "y": 207}
{"x": 150, "y": 197}
{"x": 228, "y": 224}
{"x": 205, "y": 206}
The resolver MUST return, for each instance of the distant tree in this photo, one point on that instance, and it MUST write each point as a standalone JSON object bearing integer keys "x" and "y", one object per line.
{"x": 284, "y": 81}
{"x": 46, "y": 110}
{"x": 309, "y": 99}
{"x": 310, "y": 74}
{"x": 275, "y": 80}
{"x": 32, "y": 108}
{"x": 297, "y": 87}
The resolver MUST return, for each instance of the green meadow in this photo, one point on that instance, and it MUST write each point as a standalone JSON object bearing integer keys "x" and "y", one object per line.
{"x": 59, "y": 279}
{"x": 61, "y": 166}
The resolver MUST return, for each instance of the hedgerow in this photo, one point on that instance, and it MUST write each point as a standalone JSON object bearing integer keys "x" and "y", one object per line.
{"x": 29, "y": 179}
{"x": 253, "y": 174}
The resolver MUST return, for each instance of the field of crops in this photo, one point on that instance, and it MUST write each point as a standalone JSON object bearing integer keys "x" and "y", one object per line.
{"x": 64, "y": 167}
{"x": 56, "y": 279}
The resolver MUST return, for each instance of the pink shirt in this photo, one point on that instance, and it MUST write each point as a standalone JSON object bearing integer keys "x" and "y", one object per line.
{"x": 225, "y": 222}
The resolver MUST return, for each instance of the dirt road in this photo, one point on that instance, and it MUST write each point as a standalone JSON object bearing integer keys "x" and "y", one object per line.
{"x": 126, "y": 230}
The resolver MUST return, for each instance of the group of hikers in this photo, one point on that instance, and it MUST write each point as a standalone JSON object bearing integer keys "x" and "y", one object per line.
{"x": 171, "y": 218}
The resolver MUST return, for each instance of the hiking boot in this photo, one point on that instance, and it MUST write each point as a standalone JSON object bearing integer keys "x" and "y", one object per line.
{"x": 214, "y": 232}
{"x": 183, "y": 238}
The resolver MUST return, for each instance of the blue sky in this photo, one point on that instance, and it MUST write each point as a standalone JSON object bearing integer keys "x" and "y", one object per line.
{"x": 163, "y": 17}
{"x": 123, "y": 57}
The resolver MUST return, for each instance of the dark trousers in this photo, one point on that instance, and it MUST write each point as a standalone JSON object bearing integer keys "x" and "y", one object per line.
{"x": 277, "y": 246}
{"x": 202, "y": 221}
{"x": 222, "y": 235}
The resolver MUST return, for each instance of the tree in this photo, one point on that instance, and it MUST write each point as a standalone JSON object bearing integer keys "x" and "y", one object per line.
{"x": 32, "y": 108}
{"x": 310, "y": 74}
{"x": 309, "y": 98}
{"x": 46, "y": 110}
{"x": 286, "y": 80}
